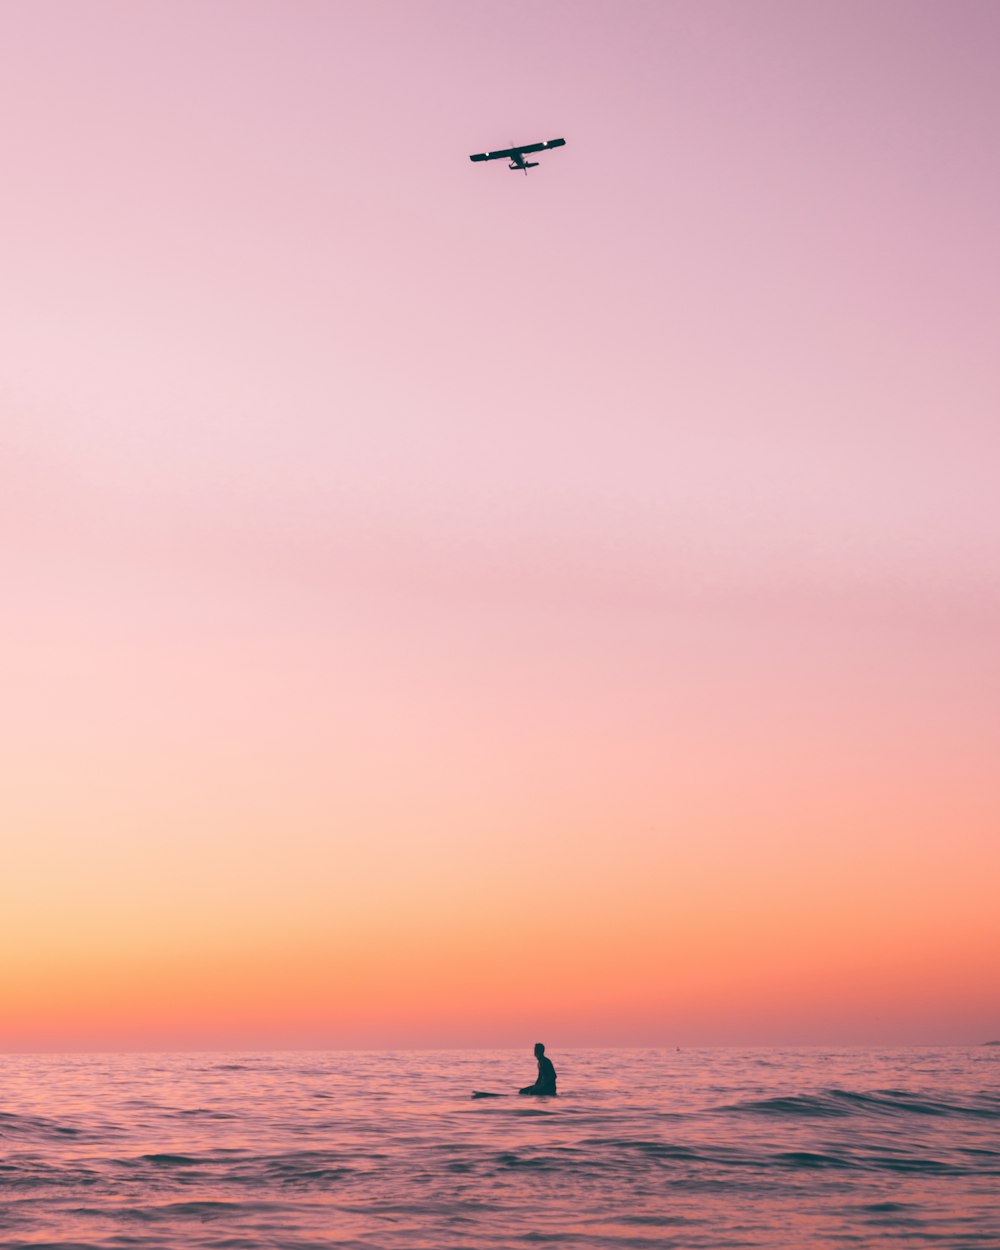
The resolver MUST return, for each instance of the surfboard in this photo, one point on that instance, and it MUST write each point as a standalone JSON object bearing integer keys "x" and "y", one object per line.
{"x": 481, "y": 1093}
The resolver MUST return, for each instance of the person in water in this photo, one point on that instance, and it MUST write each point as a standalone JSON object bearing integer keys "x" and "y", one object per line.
{"x": 546, "y": 1083}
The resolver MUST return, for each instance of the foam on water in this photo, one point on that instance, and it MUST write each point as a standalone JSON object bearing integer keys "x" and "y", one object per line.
{"x": 642, "y": 1148}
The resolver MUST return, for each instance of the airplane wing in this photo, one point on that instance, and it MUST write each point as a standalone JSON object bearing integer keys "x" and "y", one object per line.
{"x": 542, "y": 147}
{"x": 509, "y": 152}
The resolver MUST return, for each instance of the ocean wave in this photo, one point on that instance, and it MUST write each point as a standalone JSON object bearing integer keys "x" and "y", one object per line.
{"x": 55, "y": 1245}
{"x": 166, "y": 1160}
{"x": 837, "y": 1103}
{"x": 207, "y": 1112}
{"x": 650, "y": 1148}
{"x": 38, "y": 1127}
{"x": 810, "y": 1105}
{"x": 810, "y": 1159}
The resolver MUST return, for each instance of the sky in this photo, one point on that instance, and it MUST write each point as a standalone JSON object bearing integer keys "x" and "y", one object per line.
{"x": 449, "y": 607}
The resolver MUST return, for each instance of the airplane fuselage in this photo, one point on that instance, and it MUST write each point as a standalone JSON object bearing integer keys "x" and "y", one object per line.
{"x": 518, "y": 162}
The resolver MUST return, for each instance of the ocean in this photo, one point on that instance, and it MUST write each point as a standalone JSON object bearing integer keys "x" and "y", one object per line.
{"x": 642, "y": 1148}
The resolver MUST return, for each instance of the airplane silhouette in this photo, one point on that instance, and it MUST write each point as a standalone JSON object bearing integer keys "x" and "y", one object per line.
{"x": 517, "y": 155}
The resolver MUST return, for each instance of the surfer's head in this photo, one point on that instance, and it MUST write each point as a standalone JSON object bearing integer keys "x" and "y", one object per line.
{"x": 539, "y": 1050}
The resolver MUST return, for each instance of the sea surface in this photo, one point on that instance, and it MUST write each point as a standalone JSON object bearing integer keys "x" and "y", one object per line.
{"x": 642, "y": 1148}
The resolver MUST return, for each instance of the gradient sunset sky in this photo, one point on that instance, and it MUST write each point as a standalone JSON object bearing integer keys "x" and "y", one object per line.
{"x": 449, "y": 607}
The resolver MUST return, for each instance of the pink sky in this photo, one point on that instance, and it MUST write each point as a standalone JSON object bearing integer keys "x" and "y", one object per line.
{"x": 448, "y": 606}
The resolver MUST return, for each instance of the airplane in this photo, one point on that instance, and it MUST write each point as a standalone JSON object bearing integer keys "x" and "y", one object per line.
{"x": 517, "y": 155}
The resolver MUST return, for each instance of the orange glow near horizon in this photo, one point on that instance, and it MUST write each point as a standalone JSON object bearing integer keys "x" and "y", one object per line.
{"x": 649, "y": 921}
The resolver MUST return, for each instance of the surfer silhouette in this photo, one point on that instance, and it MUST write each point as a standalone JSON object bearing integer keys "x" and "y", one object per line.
{"x": 546, "y": 1083}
